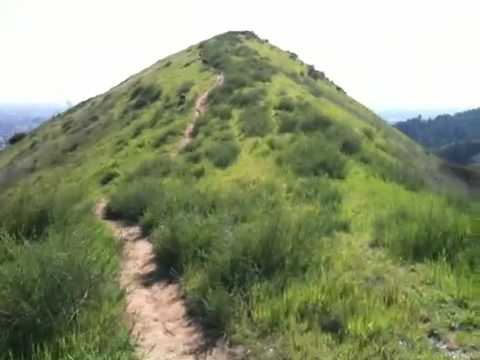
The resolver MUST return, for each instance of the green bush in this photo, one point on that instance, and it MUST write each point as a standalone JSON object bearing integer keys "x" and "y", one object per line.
{"x": 349, "y": 142}
{"x": 194, "y": 157}
{"x": 256, "y": 121}
{"x": 144, "y": 95}
{"x": 311, "y": 120}
{"x": 108, "y": 176}
{"x": 198, "y": 171}
{"x": 164, "y": 137}
{"x": 137, "y": 130}
{"x": 315, "y": 156}
{"x": 285, "y": 104}
{"x": 17, "y": 138}
{"x": 184, "y": 88}
{"x": 223, "y": 153}
{"x": 369, "y": 133}
{"x": 223, "y": 111}
{"x": 248, "y": 97}
{"x": 350, "y": 146}
{"x": 314, "y": 73}
{"x": 426, "y": 231}
{"x": 286, "y": 122}
{"x": 132, "y": 199}
{"x": 158, "y": 167}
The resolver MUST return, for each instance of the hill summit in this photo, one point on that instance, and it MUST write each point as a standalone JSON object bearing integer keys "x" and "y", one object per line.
{"x": 295, "y": 222}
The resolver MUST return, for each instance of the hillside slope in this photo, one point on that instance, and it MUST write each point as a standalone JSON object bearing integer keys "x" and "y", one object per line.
{"x": 286, "y": 216}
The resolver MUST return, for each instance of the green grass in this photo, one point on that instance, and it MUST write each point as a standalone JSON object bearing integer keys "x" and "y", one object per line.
{"x": 428, "y": 231}
{"x": 296, "y": 221}
{"x": 58, "y": 292}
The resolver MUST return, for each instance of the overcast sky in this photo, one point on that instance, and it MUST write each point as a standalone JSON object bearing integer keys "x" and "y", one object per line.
{"x": 386, "y": 54}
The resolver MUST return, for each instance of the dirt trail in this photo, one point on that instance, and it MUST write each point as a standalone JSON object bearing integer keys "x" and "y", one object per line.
{"x": 200, "y": 108}
{"x": 156, "y": 309}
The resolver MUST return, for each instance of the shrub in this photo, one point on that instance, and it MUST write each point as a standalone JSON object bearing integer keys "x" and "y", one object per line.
{"x": 349, "y": 142}
{"x": 315, "y": 156}
{"x": 261, "y": 72}
{"x": 350, "y": 146}
{"x": 256, "y": 121}
{"x": 292, "y": 55}
{"x": 286, "y": 122}
{"x": 137, "y": 131}
{"x": 108, "y": 176}
{"x": 198, "y": 171}
{"x": 223, "y": 112}
{"x": 194, "y": 157}
{"x": 246, "y": 98}
{"x": 17, "y": 138}
{"x": 285, "y": 104}
{"x": 158, "y": 168}
{"x": 164, "y": 137}
{"x": 314, "y": 73}
{"x": 67, "y": 124}
{"x": 144, "y": 95}
{"x": 311, "y": 120}
{"x": 368, "y": 132}
{"x": 223, "y": 153}
{"x": 184, "y": 88}
{"x": 131, "y": 200}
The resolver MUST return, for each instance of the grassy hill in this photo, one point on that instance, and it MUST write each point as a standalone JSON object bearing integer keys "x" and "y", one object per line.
{"x": 297, "y": 222}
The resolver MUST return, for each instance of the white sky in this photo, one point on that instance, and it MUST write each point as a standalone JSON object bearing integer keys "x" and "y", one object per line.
{"x": 386, "y": 54}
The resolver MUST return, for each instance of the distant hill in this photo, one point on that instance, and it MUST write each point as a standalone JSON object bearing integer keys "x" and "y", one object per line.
{"x": 24, "y": 117}
{"x": 443, "y": 129}
{"x": 455, "y": 138}
{"x": 400, "y": 115}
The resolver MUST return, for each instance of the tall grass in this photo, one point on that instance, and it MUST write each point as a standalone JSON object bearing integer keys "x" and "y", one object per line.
{"x": 427, "y": 231}
{"x": 58, "y": 296}
{"x": 221, "y": 244}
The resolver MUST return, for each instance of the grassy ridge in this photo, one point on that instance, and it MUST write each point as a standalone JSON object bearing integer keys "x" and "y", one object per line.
{"x": 297, "y": 222}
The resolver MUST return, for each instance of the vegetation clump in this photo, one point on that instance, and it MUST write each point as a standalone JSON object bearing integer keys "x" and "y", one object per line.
{"x": 427, "y": 231}
{"x": 315, "y": 156}
{"x": 16, "y": 138}
{"x": 223, "y": 153}
{"x": 256, "y": 121}
{"x": 144, "y": 95}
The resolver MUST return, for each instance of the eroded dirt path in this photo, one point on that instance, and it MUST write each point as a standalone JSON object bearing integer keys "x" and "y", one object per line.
{"x": 156, "y": 309}
{"x": 200, "y": 108}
